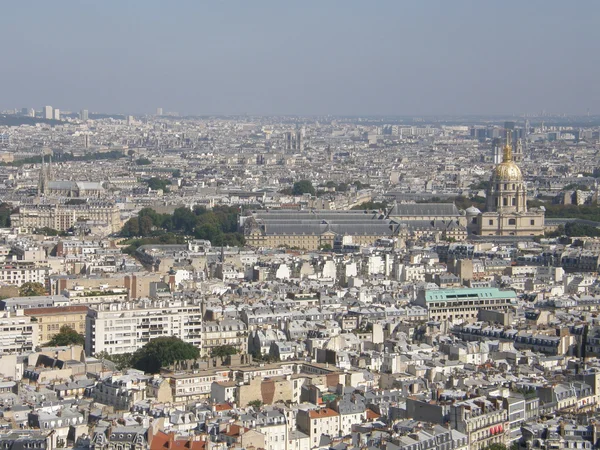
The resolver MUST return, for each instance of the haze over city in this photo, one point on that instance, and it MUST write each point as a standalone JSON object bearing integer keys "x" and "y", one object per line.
{"x": 309, "y": 57}
{"x": 332, "y": 225}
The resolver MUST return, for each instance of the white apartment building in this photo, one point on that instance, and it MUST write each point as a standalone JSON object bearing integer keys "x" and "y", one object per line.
{"x": 188, "y": 386}
{"x": 124, "y": 327}
{"x": 18, "y": 273}
{"x": 18, "y": 333}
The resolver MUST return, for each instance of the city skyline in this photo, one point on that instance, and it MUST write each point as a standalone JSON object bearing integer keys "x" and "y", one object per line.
{"x": 338, "y": 59}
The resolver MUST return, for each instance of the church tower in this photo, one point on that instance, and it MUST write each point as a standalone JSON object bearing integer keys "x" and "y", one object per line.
{"x": 43, "y": 178}
{"x": 507, "y": 191}
{"x": 506, "y": 205}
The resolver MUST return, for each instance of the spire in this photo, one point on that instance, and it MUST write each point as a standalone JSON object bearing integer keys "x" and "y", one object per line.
{"x": 42, "y": 179}
{"x": 508, "y": 148}
{"x": 50, "y": 175}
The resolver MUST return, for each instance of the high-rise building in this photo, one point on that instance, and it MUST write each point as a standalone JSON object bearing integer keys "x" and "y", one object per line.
{"x": 159, "y": 111}
{"x": 56, "y": 114}
{"x": 83, "y": 114}
{"x": 496, "y": 151}
{"x": 47, "y": 113}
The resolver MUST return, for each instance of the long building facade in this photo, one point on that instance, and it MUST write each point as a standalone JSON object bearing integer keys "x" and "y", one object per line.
{"x": 62, "y": 217}
{"x": 463, "y": 304}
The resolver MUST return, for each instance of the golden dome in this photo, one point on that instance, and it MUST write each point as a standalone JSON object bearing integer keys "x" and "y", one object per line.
{"x": 507, "y": 171}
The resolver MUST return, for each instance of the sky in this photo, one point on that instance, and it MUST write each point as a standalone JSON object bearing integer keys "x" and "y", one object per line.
{"x": 338, "y": 57}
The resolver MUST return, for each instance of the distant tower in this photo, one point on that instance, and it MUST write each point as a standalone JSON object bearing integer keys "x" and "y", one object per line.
{"x": 83, "y": 114}
{"x": 86, "y": 141}
{"x": 159, "y": 111}
{"x": 47, "y": 112}
{"x": 43, "y": 179}
{"x": 518, "y": 154}
{"x": 56, "y": 114}
{"x": 497, "y": 153}
{"x": 329, "y": 153}
{"x": 49, "y": 170}
{"x": 299, "y": 141}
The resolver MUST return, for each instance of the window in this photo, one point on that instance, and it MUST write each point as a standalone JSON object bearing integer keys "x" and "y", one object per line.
{"x": 532, "y": 222}
{"x": 491, "y": 222}
{"x": 505, "y": 201}
{"x": 512, "y": 221}
{"x": 514, "y": 201}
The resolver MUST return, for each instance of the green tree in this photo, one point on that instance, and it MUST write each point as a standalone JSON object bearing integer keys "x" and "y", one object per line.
{"x": 342, "y": 187}
{"x": 65, "y": 337}
{"x": 223, "y": 350}
{"x": 32, "y": 289}
{"x": 131, "y": 228}
{"x": 255, "y": 403}
{"x": 184, "y": 220}
{"x": 579, "y": 229}
{"x": 122, "y": 361}
{"x": 46, "y": 231}
{"x": 5, "y": 212}
{"x": 162, "y": 352}
{"x": 303, "y": 187}
{"x": 495, "y": 447}
{"x": 143, "y": 162}
{"x": 156, "y": 183}
{"x": 176, "y": 173}
{"x": 146, "y": 225}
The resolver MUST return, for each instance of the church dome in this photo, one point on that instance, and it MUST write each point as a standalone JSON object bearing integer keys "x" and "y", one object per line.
{"x": 507, "y": 171}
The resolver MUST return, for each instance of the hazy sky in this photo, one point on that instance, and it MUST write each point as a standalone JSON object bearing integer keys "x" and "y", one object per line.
{"x": 302, "y": 57}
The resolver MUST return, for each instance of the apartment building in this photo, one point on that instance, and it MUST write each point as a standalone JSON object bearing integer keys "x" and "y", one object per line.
{"x": 18, "y": 333}
{"x": 318, "y": 422}
{"x": 464, "y": 303}
{"x": 195, "y": 385}
{"x": 20, "y": 272}
{"x": 125, "y": 327}
{"x": 50, "y": 320}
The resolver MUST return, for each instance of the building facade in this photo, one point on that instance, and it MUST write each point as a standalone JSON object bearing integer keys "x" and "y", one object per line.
{"x": 464, "y": 303}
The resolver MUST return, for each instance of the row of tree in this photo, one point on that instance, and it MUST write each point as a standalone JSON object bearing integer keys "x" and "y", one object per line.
{"x": 306, "y": 187}
{"x": 219, "y": 226}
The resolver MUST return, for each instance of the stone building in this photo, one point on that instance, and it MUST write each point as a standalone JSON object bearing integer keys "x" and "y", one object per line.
{"x": 506, "y": 209}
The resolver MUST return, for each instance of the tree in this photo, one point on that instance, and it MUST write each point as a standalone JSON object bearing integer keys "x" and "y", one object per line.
{"x": 495, "y": 447}
{"x": 32, "y": 289}
{"x": 131, "y": 228}
{"x": 176, "y": 173}
{"x": 65, "y": 337}
{"x": 146, "y": 225}
{"x": 143, "y": 162}
{"x": 303, "y": 187}
{"x": 5, "y": 212}
{"x": 255, "y": 403}
{"x": 184, "y": 220}
{"x": 223, "y": 350}
{"x": 122, "y": 361}
{"x": 162, "y": 352}
{"x": 156, "y": 183}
